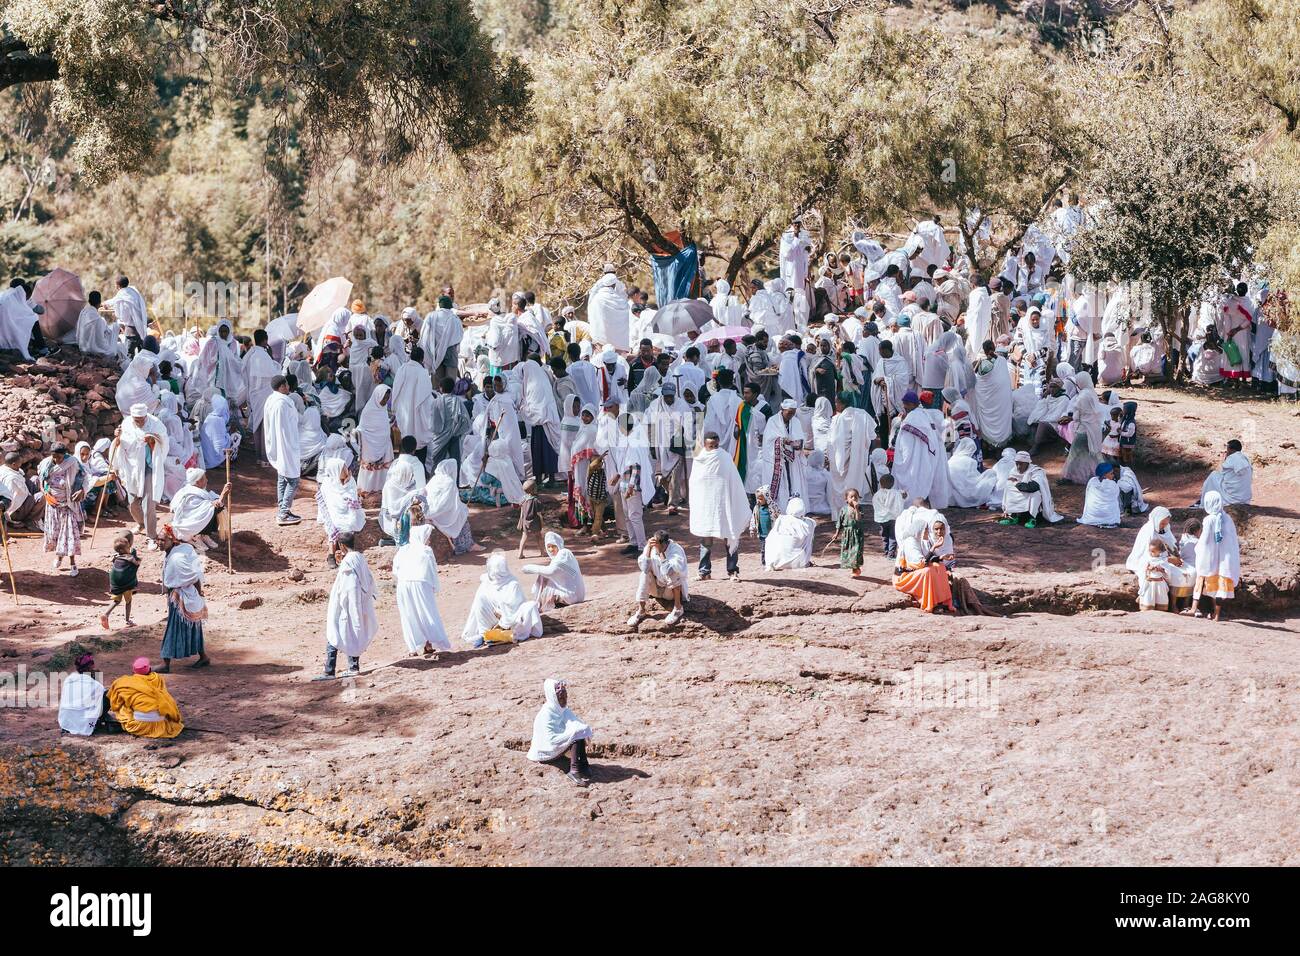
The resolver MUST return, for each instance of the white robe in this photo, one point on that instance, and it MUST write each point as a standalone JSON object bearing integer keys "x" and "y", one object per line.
{"x": 259, "y": 369}
{"x": 192, "y": 508}
{"x": 416, "y": 571}
{"x": 1232, "y": 480}
{"x": 350, "y": 619}
{"x": 81, "y": 704}
{"x": 1101, "y": 503}
{"x": 94, "y": 335}
{"x": 281, "y": 432}
{"x": 412, "y": 403}
{"x": 1036, "y": 503}
{"x": 792, "y": 484}
{"x": 720, "y": 417}
{"x": 719, "y": 506}
{"x": 790, "y": 543}
{"x": 993, "y": 407}
{"x": 609, "y": 312}
{"x": 500, "y": 602}
{"x": 129, "y": 456}
{"x": 970, "y": 487}
{"x": 1218, "y": 551}
{"x": 555, "y": 728}
{"x": 848, "y": 454}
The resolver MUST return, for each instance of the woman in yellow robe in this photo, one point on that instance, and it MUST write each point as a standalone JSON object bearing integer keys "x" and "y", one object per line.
{"x": 142, "y": 704}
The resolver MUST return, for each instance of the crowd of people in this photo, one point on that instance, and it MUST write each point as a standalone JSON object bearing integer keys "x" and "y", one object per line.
{"x": 879, "y": 388}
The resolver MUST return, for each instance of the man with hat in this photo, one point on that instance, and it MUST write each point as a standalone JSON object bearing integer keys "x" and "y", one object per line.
{"x": 138, "y": 452}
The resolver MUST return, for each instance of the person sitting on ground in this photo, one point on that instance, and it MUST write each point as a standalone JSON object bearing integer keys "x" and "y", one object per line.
{"x": 1232, "y": 479}
{"x": 350, "y": 620}
{"x": 1027, "y": 495}
{"x": 663, "y": 575}
{"x": 1101, "y": 507}
{"x": 500, "y": 607}
{"x": 122, "y": 576}
{"x": 83, "y": 701}
{"x": 559, "y": 582}
{"x": 790, "y": 545}
{"x": 143, "y": 705}
{"x": 557, "y": 732}
{"x": 920, "y": 573}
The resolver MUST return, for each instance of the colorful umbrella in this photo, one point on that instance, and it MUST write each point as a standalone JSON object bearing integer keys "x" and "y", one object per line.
{"x": 63, "y": 296}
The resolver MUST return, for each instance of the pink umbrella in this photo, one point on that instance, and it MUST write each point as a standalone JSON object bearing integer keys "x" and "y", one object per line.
{"x": 733, "y": 332}
{"x": 64, "y": 297}
{"x": 322, "y": 302}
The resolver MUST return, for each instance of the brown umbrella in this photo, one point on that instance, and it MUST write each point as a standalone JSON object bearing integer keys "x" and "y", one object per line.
{"x": 64, "y": 297}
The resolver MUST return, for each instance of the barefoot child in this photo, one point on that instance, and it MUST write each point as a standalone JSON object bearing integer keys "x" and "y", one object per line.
{"x": 761, "y": 523}
{"x": 122, "y": 577}
{"x": 848, "y": 531}
{"x": 1153, "y": 591}
{"x": 886, "y": 506}
{"x": 530, "y": 518}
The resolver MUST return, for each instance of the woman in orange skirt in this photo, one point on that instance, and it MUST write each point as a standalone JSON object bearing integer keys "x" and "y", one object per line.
{"x": 921, "y": 574}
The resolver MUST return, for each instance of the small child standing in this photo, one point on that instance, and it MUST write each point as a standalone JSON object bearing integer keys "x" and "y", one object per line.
{"x": 1153, "y": 592}
{"x": 886, "y": 506}
{"x": 1110, "y": 430}
{"x": 122, "y": 576}
{"x": 629, "y": 487}
{"x": 761, "y": 523}
{"x": 848, "y": 531}
{"x": 1128, "y": 434}
{"x": 530, "y": 518}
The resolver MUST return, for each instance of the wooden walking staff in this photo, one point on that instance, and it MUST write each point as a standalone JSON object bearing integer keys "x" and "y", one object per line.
{"x": 99, "y": 508}
{"x": 4, "y": 537}
{"x": 230, "y": 520}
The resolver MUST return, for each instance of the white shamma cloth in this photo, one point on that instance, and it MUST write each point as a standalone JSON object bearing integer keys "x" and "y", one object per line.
{"x": 555, "y": 728}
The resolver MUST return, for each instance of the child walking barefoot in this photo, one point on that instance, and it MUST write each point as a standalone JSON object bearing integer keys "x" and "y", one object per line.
{"x": 848, "y": 531}
{"x": 122, "y": 577}
{"x": 530, "y": 518}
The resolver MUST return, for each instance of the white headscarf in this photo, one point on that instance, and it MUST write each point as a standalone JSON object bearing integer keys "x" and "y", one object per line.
{"x": 555, "y": 728}
{"x": 414, "y": 561}
{"x": 376, "y": 427}
{"x": 444, "y": 509}
{"x": 342, "y": 507}
{"x": 1218, "y": 552}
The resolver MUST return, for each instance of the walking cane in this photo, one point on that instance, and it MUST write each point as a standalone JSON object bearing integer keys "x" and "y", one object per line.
{"x": 230, "y": 520}
{"x": 4, "y": 537}
{"x": 99, "y": 508}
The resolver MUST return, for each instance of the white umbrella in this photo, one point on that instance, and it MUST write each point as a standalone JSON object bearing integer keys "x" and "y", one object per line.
{"x": 322, "y": 302}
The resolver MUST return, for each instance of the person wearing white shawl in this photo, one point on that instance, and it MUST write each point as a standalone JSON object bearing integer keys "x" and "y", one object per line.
{"x": 1233, "y": 478}
{"x": 351, "y": 623}
{"x": 848, "y": 452}
{"x": 891, "y": 380}
{"x": 1085, "y": 418}
{"x": 918, "y": 452}
{"x": 403, "y": 484}
{"x": 727, "y": 309}
{"x": 95, "y": 336}
{"x": 795, "y": 250}
{"x": 785, "y": 452}
{"x": 1181, "y": 579}
{"x": 216, "y": 438}
{"x": 670, "y": 424}
{"x": 375, "y": 433}
{"x": 720, "y": 412}
{"x": 1130, "y": 492}
{"x": 338, "y": 508}
{"x": 138, "y": 457}
{"x": 194, "y": 509}
{"x": 790, "y": 542}
{"x": 81, "y": 699}
{"x": 440, "y": 338}
{"x": 136, "y": 386}
{"x": 503, "y": 340}
{"x": 335, "y": 329}
{"x": 1218, "y": 556}
{"x": 416, "y": 572}
{"x": 444, "y": 508}
{"x": 557, "y": 732}
{"x": 663, "y": 575}
{"x": 569, "y": 425}
{"x": 180, "y": 439}
{"x": 719, "y": 507}
{"x": 359, "y": 347}
{"x": 993, "y": 406}
{"x": 499, "y": 603}
{"x": 496, "y": 463}
{"x": 559, "y": 581}
{"x": 297, "y": 362}
{"x": 609, "y": 311}
{"x": 538, "y": 409}
{"x": 1026, "y": 494}
{"x": 971, "y": 488}
{"x": 1101, "y": 507}
{"x": 260, "y": 370}
{"x": 816, "y": 497}
{"x": 219, "y": 365}
{"x": 129, "y": 307}
{"x": 412, "y": 404}
{"x": 182, "y": 576}
{"x": 285, "y": 437}
{"x": 501, "y": 414}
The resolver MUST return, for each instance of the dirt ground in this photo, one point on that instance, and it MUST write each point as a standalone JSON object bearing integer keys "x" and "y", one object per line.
{"x": 792, "y": 718}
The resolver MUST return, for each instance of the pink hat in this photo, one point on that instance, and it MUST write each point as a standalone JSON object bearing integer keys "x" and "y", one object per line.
{"x": 141, "y": 665}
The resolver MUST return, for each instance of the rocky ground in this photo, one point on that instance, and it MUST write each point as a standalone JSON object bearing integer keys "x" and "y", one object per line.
{"x": 793, "y": 718}
{"x": 65, "y": 397}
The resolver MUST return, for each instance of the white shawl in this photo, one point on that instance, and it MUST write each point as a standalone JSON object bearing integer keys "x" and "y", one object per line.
{"x": 719, "y": 506}
{"x": 350, "y": 619}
